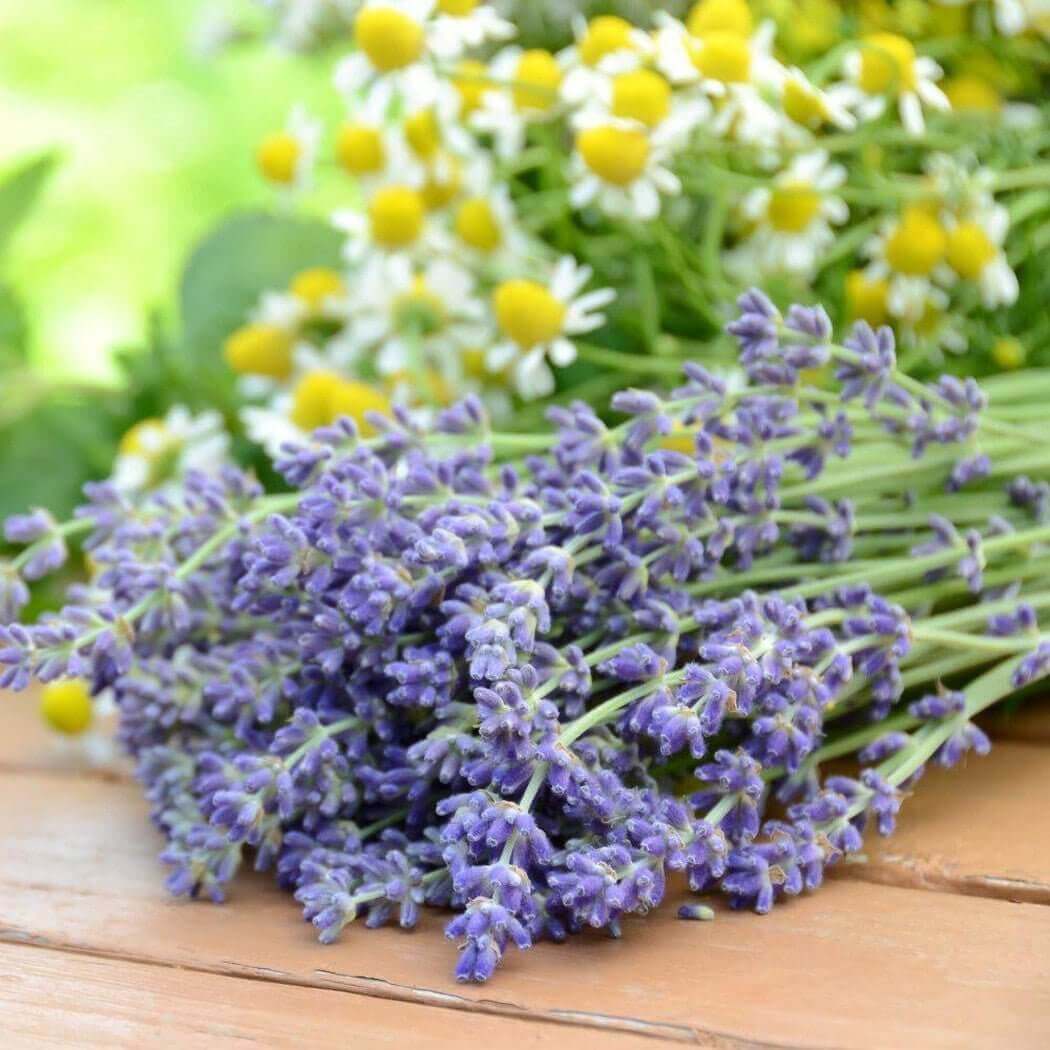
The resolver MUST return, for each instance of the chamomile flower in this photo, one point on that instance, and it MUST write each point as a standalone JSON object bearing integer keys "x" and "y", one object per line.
{"x": 393, "y": 221}
{"x": 619, "y": 165}
{"x": 462, "y": 24}
{"x": 791, "y": 220}
{"x": 156, "y": 452}
{"x": 536, "y": 321}
{"x": 531, "y": 80}
{"x": 645, "y": 97}
{"x": 485, "y": 223}
{"x": 403, "y": 318}
{"x": 884, "y": 69}
{"x": 604, "y": 47}
{"x": 372, "y": 152}
{"x": 975, "y": 253}
{"x": 286, "y": 158}
{"x": 810, "y": 108}
{"x": 393, "y": 59}
{"x": 909, "y": 253}
{"x": 936, "y": 328}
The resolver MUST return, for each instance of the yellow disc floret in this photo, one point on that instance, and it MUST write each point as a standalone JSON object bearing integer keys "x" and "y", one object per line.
{"x": 321, "y": 397}
{"x": 144, "y": 439}
{"x": 605, "y": 35}
{"x": 469, "y": 80}
{"x": 803, "y": 105}
{"x": 278, "y": 157}
{"x": 616, "y": 155}
{"x": 66, "y": 706}
{"x": 725, "y": 57}
{"x": 423, "y": 133}
{"x": 969, "y": 250}
{"x": 395, "y": 214}
{"x": 316, "y": 285}
{"x": 720, "y": 16}
{"x": 527, "y": 313}
{"x": 457, "y": 8}
{"x": 866, "y": 298}
{"x": 917, "y": 244}
{"x": 359, "y": 149}
{"x": 1008, "y": 353}
{"x": 476, "y": 224}
{"x": 389, "y": 38}
{"x": 792, "y": 206}
{"x": 442, "y": 183}
{"x": 536, "y": 80}
{"x": 969, "y": 93}
{"x": 643, "y": 95}
{"x": 260, "y": 349}
{"x": 887, "y": 64}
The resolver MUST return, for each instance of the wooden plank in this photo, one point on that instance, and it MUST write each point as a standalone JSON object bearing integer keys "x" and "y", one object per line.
{"x": 61, "y": 999}
{"x": 982, "y": 829}
{"x": 857, "y": 964}
{"x": 1029, "y": 722}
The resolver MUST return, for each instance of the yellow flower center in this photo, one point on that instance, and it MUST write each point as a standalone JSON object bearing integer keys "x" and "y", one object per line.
{"x": 66, "y": 706}
{"x": 720, "y": 16}
{"x": 143, "y": 439}
{"x": 442, "y": 183}
{"x": 260, "y": 349}
{"x": 316, "y": 285}
{"x": 605, "y": 35}
{"x": 536, "y": 80}
{"x": 359, "y": 148}
{"x": 725, "y": 57}
{"x": 423, "y": 133}
{"x": 469, "y": 81}
{"x": 866, "y": 298}
{"x": 804, "y": 106}
{"x": 972, "y": 94}
{"x": 476, "y": 224}
{"x": 278, "y": 157}
{"x": 681, "y": 439}
{"x": 792, "y": 206}
{"x": 389, "y": 38}
{"x": 616, "y": 155}
{"x": 887, "y": 64}
{"x": 396, "y": 216}
{"x": 419, "y": 310}
{"x": 643, "y": 95}
{"x": 321, "y": 397}
{"x": 527, "y": 313}
{"x": 917, "y": 245}
{"x": 474, "y": 363}
{"x": 456, "y": 8}
{"x": 1008, "y": 352}
{"x": 969, "y": 250}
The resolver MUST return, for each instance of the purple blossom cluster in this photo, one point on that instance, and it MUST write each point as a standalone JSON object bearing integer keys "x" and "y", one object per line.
{"x": 429, "y": 676}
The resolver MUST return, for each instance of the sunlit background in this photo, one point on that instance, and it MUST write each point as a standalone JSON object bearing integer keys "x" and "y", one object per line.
{"x": 156, "y": 141}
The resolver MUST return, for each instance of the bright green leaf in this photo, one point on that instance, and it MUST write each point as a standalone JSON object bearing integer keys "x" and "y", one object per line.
{"x": 19, "y": 190}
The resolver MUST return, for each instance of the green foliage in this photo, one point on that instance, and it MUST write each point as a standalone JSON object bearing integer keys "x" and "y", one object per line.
{"x": 19, "y": 191}
{"x": 14, "y": 329}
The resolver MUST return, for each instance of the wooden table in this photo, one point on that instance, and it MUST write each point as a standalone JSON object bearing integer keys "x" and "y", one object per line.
{"x": 940, "y": 939}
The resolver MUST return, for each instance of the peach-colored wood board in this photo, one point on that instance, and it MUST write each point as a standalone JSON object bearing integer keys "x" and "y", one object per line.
{"x": 925, "y": 944}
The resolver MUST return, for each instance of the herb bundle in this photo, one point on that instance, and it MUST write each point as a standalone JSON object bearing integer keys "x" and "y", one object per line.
{"x": 471, "y": 669}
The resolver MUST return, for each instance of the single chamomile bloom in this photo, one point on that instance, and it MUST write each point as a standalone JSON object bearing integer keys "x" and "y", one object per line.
{"x": 394, "y": 220}
{"x": 156, "y": 452}
{"x": 402, "y": 317}
{"x": 459, "y": 25}
{"x": 809, "y": 108}
{"x": 975, "y": 252}
{"x": 791, "y": 220}
{"x": 605, "y": 46}
{"x": 537, "y": 320}
{"x": 393, "y": 57}
{"x": 909, "y": 253}
{"x": 373, "y": 153}
{"x": 619, "y": 164}
{"x": 886, "y": 68}
{"x": 485, "y": 223}
{"x": 286, "y": 158}
{"x": 936, "y": 327}
{"x": 525, "y": 89}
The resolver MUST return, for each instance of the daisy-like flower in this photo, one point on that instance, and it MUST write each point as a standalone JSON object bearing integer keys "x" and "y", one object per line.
{"x": 462, "y": 24}
{"x": 286, "y": 158}
{"x": 975, "y": 252}
{"x": 604, "y": 46}
{"x": 810, "y": 109}
{"x": 537, "y": 320}
{"x": 619, "y": 164}
{"x": 645, "y": 97}
{"x": 404, "y": 318}
{"x": 394, "y": 221}
{"x": 885, "y": 68}
{"x": 485, "y": 222}
{"x": 791, "y": 220}
{"x": 937, "y": 328}
{"x": 393, "y": 60}
{"x": 909, "y": 253}
{"x": 373, "y": 152}
{"x": 531, "y": 93}
{"x": 156, "y": 452}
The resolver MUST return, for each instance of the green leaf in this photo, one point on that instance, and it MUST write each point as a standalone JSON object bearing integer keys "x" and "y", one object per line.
{"x": 14, "y": 330}
{"x": 231, "y": 268}
{"x": 19, "y": 190}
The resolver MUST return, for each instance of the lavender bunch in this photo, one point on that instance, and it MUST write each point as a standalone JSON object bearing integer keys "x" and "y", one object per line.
{"x": 529, "y": 677}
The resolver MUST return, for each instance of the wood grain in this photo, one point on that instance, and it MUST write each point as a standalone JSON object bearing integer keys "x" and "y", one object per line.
{"x": 61, "y": 999}
{"x": 858, "y": 964}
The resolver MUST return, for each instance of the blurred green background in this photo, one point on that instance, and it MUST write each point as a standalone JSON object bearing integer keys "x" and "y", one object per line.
{"x": 156, "y": 142}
